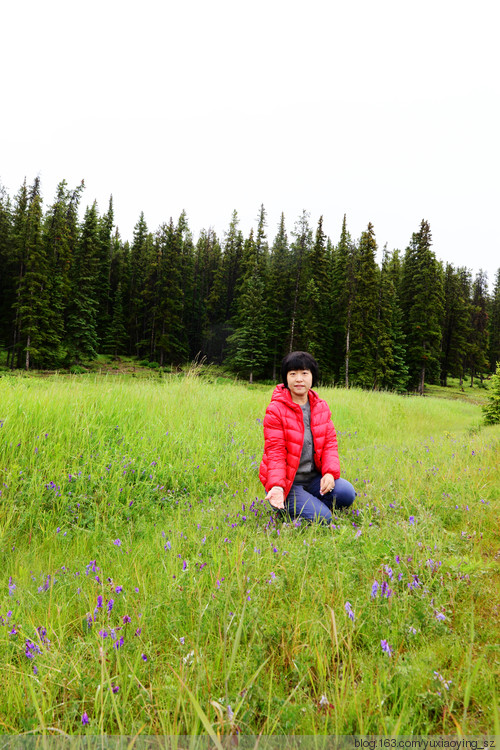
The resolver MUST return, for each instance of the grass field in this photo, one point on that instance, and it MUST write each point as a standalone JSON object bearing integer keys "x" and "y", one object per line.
{"x": 147, "y": 587}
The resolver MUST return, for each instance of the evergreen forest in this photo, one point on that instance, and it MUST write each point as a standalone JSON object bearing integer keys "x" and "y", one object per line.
{"x": 71, "y": 288}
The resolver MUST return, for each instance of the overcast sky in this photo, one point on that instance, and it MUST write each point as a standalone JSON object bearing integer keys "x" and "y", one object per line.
{"x": 385, "y": 110}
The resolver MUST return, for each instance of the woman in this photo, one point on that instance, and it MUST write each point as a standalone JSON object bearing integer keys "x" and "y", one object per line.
{"x": 300, "y": 468}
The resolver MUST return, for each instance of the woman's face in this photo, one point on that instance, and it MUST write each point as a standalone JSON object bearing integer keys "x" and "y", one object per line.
{"x": 300, "y": 383}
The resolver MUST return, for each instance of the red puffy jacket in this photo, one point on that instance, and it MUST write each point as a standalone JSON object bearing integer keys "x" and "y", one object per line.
{"x": 284, "y": 437}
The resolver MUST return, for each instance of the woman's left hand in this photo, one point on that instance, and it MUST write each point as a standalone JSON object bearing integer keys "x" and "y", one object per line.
{"x": 327, "y": 484}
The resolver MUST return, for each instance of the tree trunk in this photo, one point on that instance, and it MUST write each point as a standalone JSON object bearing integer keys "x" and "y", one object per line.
{"x": 28, "y": 352}
{"x": 421, "y": 386}
{"x": 347, "y": 344}
{"x": 347, "y": 357}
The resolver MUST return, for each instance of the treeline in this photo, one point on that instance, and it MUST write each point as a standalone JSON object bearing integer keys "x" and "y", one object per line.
{"x": 71, "y": 288}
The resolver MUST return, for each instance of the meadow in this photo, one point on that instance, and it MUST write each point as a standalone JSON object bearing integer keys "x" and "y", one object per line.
{"x": 146, "y": 586}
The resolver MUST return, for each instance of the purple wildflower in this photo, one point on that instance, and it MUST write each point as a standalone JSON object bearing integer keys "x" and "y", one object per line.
{"x": 85, "y": 719}
{"x": 119, "y": 643}
{"x": 167, "y": 545}
{"x": 99, "y": 601}
{"x": 446, "y": 683}
{"x": 411, "y": 520}
{"x": 144, "y": 657}
{"x": 349, "y": 611}
{"x": 110, "y": 605}
{"x": 126, "y": 619}
{"x": 118, "y": 542}
{"x": 182, "y": 639}
{"x": 119, "y": 589}
{"x": 12, "y": 587}
{"x": 184, "y": 565}
{"x": 374, "y": 589}
{"x": 115, "y": 688}
{"x": 103, "y": 633}
{"x": 385, "y": 647}
{"x": 440, "y": 616}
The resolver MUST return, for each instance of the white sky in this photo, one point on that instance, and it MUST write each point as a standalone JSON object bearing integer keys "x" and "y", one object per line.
{"x": 386, "y": 110}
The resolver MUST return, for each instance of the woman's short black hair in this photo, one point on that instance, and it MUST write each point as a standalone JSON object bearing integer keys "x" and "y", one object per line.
{"x": 299, "y": 361}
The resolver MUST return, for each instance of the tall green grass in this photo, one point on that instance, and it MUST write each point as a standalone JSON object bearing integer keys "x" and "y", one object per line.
{"x": 145, "y": 493}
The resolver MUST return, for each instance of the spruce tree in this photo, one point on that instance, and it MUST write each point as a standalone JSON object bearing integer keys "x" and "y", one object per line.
{"x": 104, "y": 293}
{"x": 422, "y": 305}
{"x": 478, "y": 339}
{"x": 317, "y": 303}
{"x": 222, "y": 301}
{"x": 141, "y": 255}
{"x": 300, "y": 249}
{"x": 60, "y": 237}
{"x": 247, "y": 353}
{"x": 343, "y": 296}
{"x": 391, "y": 371}
{"x": 204, "y": 340}
{"x": 456, "y": 322}
{"x": 33, "y": 304}
{"x": 117, "y": 333}
{"x": 491, "y": 409}
{"x": 171, "y": 340}
{"x": 494, "y": 323}
{"x": 7, "y": 287}
{"x": 18, "y": 264}
{"x": 363, "y": 329}
{"x": 83, "y": 341}
{"x": 279, "y": 295}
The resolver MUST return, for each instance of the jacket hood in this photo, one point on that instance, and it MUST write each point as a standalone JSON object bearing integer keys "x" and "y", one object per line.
{"x": 282, "y": 394}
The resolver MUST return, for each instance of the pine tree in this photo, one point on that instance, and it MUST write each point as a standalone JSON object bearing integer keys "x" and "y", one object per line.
{"x": 343, "y": 295}
{"x": 247, "y": 344}
{"x": 7, "y": 288}
{"x": 456, "y": 322}
{"x": 391, "y": 279}
{"x": 261, "y": 245}
{"x": 82, "y": 319}
{"x": 422, "y": 305}
{"x": 494, "y": 323}
{"x": 300, "y": 249}
{"x": 363, "y": 333}
{"x": 279, "y": 296}
{"x": 104, "y": 293}
{"x": 18, "y": 262}
{"x": 114, "y": 342}
{"x": 117, "y": 333}
{"x": 491, "y": 409}
{"x": 391, "y": 372}
{"x": 171, "y": 337}
{"x": 222, "y": 301}
{"x": 60, "y": 236}
{"x": 317, "y": 303}
{"x": 478, "y": 340}
{"x": 141, "y": 257}
{"x": 33, "y": 305}
{"x": 207, "y": 264}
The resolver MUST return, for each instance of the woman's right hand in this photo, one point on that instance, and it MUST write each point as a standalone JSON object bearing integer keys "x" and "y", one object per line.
{"x": 276, "y": 497}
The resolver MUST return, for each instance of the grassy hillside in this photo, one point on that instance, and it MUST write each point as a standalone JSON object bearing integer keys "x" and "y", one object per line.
{"x": 148, "y": 587}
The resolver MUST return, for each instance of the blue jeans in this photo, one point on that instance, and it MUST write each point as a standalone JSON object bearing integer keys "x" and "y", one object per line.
{"x": 308, "y": 504}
